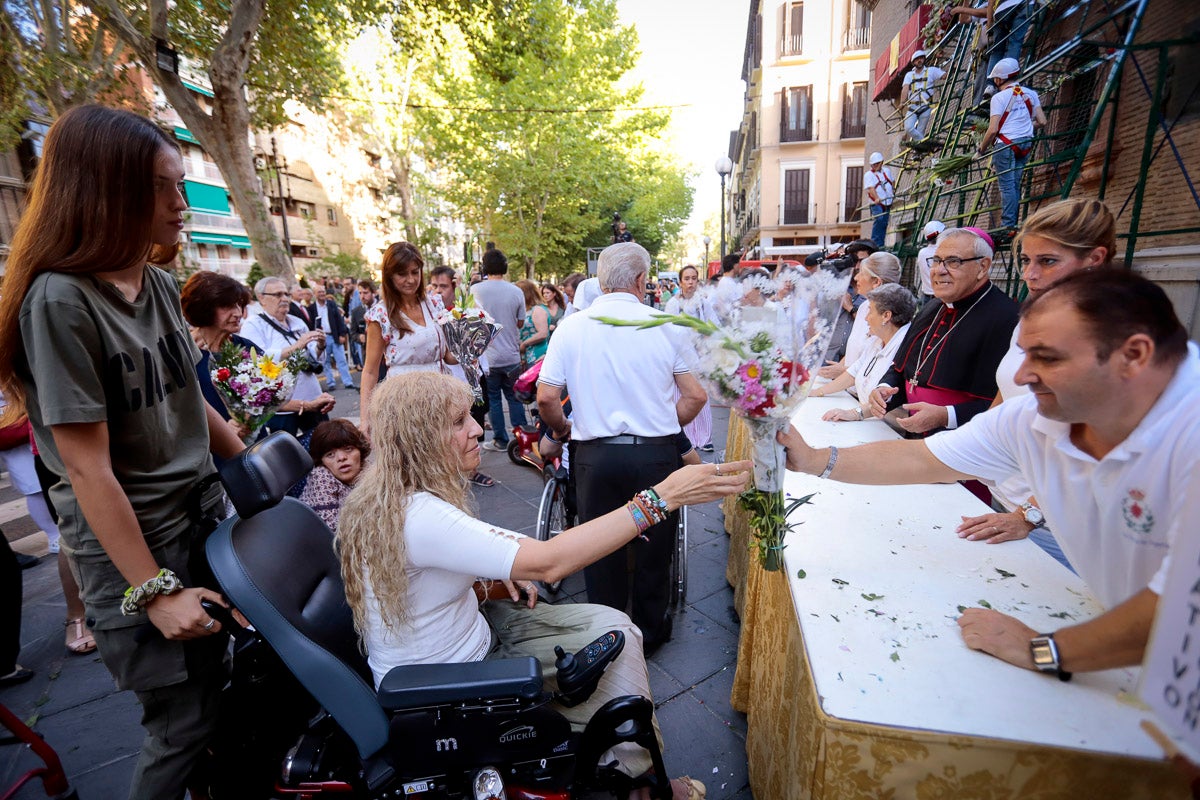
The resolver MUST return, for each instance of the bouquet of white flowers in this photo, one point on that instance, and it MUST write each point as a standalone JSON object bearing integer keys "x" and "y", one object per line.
{"x": 759, "y": 358}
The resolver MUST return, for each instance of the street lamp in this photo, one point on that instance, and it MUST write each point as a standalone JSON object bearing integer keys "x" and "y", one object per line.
{"x": 723, "y": 166}
{"x": 707, "y": 241}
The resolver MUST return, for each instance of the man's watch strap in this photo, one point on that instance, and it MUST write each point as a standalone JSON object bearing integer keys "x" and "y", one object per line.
{"x": 1044, "y": 651}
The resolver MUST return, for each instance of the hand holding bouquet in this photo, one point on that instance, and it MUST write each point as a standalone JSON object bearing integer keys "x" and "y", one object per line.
{"x": 253, "y": 386}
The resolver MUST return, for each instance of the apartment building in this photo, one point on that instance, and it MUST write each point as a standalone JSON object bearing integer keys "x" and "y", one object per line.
{"x": 799, "y": 151}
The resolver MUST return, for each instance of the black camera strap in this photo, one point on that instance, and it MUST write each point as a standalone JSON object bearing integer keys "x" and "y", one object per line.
{"x": 287, "y": 333}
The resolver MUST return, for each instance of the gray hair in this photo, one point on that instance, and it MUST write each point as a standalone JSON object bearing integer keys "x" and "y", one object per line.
{"x": 263, "y": 283}
{"x": 894, "y": 298}
{"x": 981, "y": 247}
{"x": 882, "y": 265}
{"x": 620, "y": 265}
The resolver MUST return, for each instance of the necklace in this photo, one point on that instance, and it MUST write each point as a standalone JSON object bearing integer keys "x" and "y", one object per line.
{"x": 921, "y": 361}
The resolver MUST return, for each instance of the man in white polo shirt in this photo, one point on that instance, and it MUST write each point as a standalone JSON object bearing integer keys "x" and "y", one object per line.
{"x": 623, "y": 427}
{"x": 1107, "y": 438}
{"x": 1016, "y": 112}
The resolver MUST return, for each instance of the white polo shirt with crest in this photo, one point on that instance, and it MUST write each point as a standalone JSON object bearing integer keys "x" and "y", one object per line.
{"x": 1117, "y": 517}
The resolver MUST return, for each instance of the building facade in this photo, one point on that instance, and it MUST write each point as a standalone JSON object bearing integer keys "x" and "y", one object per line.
{"x": 799, "y": 151}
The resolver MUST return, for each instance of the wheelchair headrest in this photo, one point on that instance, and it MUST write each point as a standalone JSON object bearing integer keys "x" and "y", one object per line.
{"x": 260, "y": 476}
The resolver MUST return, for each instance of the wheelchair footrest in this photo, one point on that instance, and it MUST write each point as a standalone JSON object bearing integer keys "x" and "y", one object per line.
{"x": 420, "y": 685}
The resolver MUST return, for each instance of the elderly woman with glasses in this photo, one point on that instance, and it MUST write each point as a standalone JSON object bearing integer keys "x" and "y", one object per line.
{"x": 890, "y": 309}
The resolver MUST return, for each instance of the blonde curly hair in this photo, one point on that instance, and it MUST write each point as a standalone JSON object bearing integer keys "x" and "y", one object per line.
{"x": 411, "y": 428}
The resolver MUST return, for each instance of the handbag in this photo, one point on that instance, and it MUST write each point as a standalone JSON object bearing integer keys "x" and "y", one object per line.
{"x": 15, "y": 435}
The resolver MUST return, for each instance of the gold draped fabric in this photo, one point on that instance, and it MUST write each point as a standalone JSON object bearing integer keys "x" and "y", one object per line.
{"x": 796, "y": 751}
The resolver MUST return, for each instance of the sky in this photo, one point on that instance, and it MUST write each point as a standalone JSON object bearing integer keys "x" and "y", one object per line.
{"x": 692, "y": 56}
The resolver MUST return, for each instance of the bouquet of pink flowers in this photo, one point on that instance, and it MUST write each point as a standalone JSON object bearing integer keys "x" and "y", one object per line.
{"x": 759, "y": 358}
{"x": 469, "y": 330}
{"x": 253, "y": 386}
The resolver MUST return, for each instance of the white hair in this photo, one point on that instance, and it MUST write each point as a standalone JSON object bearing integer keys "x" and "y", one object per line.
{"x": 263, "y": 283}
{"x": 620, "y": 265}
{"x": 980, "y": 245}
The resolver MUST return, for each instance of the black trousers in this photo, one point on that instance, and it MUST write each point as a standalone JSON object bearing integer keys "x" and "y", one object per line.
{"x": 10, "y": 607}
{"x": 606, "y": 477}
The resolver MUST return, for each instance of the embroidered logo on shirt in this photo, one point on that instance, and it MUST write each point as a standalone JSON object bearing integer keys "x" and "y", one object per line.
{"x": 1137, "y": 514}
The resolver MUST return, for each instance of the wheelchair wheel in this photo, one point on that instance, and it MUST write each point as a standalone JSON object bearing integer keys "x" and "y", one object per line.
{"x": 514, "y": 452}
{"x": 553, "y": 517}
{"x": 678, "y": 571}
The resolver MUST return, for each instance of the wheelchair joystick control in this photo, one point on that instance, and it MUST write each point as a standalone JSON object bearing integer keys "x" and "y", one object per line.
{"x": 579, "y": 673}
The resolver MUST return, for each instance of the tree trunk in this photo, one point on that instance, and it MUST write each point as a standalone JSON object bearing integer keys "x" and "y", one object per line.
{"x": 225, "y": 135}
{"x": 402, "y": 172}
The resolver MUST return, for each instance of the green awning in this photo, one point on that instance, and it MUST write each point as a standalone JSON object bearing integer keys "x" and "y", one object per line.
{"x": 196, "y": 88}
{"x": 240, "y": 241}
{"x": 184, "y": 135}
{"x": 210, "y": 238}
{"x": 207, "y": 198}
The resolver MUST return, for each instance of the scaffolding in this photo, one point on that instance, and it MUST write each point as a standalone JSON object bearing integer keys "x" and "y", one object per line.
{"x": 1074, "y": 57}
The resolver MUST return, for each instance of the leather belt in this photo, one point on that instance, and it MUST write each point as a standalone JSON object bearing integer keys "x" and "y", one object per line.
{"x": 631, "y": 439}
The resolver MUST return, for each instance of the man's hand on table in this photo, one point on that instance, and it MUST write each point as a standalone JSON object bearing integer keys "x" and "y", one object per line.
{"x": 1000, "y": 635}
{"x": 994, "y": 528}
{"x": 922, "y": 417}
{"x": 800, "y": 457}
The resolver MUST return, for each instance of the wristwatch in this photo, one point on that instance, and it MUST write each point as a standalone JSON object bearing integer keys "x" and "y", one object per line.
{"x": 1033, "y": 515}
{"x": 1045, "y": 656}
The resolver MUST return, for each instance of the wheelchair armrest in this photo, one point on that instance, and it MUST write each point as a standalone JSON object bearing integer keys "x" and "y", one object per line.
{"x": 417, "y": 685}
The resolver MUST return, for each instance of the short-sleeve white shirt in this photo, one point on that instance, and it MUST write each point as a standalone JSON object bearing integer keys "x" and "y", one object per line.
{"x": 883, "y": 184}
{"x": 921, "y": 84}
{"x": 448, "y": 550}
{"x": 1115, "y": 518}
{"x": 621, "y": 379}
{"x": 1019, "y": 122}
{"x": 927, "y": 252}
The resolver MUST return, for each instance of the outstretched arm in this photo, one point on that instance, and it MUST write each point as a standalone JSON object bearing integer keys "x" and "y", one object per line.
{"x": 876, "y": 463}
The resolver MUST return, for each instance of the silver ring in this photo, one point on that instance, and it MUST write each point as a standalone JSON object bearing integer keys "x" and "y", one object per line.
{"x": 718, "y": 466}
{"x": 209, "y": 624}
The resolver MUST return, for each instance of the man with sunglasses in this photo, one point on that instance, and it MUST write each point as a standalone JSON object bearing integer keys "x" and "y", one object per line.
{"x": 944, "y": 372}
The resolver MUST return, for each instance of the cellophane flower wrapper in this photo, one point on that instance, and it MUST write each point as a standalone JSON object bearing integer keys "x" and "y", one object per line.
{"x": 758, "y": 353}
{"x": 253, "y": 386}
{"x": 469, "y": 331}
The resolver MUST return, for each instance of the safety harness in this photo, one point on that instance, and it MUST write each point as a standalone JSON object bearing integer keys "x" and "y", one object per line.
{"x": 1019, "y": 152}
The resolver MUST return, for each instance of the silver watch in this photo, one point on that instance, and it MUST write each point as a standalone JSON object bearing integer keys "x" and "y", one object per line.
{"x": 1044, "y": 651}
{"x": 1033, "y": 515}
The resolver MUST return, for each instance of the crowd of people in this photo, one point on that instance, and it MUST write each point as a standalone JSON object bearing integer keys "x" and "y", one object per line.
{"x": 108, "y": 361}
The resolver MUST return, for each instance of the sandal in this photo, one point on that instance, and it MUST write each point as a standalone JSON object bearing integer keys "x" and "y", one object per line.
{"x": 83, "y": 641}
{"x": 479, "y": 479}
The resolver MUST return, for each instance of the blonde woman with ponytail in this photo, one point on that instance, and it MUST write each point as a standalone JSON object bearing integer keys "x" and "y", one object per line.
{"x": 1056, "y": 241}
{"x": 412, "y": 554}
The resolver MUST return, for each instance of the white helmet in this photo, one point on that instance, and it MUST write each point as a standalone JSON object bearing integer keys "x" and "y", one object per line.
{"x": 932, "y": 230}
{"x": 1005, "y": 68}
{"x": 876, "y": 157}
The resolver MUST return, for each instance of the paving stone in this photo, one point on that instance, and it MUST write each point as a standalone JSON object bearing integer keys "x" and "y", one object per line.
{"x": 699, "y": 742}
{"x": 699, "y": 648}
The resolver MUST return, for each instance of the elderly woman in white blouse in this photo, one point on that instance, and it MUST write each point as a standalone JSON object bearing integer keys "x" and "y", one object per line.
{"x": 891, "y": 309}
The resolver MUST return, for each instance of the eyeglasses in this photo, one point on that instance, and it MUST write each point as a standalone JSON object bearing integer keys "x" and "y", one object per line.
{"x": 275, "y": 294}
{"x": 953, "y": 262}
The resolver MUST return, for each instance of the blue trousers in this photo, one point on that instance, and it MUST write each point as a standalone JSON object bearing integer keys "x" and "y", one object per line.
{"x": 500, "y": 383}
{"x": 1008, "y": 34}
{"x": 1008, "y": 175}
{"x": 334, "y": 348}
{"x": 879, "y": 223}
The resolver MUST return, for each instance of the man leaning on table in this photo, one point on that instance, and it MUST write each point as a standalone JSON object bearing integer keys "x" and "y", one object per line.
{"x": 1109, "y": 439}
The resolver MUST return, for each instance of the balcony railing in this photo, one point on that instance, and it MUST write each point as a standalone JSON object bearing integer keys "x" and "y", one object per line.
{"x": 804, "y": 134}
{"x": 853, "y": 128}
{"x": 856, "y": 39}
{"x": 791, "y": 44}
{"x": 233, "y": 267}
{"x": 795, "y": 215}
{"x": 201, "y": 220}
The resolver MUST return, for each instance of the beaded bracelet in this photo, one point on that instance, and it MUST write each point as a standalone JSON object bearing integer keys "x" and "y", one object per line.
{"x": 138, "y": 597}
{"x": 656, "y": 506}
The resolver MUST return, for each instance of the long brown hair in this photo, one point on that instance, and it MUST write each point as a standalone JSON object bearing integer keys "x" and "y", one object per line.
{"x": 89, "y": 209}
{"x": 411, "y": 419}
{"x": 399, "y": 255}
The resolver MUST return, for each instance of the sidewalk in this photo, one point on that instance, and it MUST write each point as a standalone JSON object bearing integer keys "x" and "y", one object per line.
{"x": 73, "y": 704}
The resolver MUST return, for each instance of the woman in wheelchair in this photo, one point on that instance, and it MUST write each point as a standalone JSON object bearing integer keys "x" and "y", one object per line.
{"x": 411, "y": 553}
